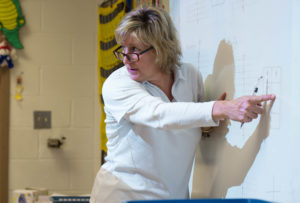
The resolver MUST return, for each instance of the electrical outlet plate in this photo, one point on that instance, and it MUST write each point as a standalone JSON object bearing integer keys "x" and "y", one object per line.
{"x": 42, "y": 119}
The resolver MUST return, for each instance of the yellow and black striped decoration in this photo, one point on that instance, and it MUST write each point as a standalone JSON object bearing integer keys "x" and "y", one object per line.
{"x": 110, "y": 14}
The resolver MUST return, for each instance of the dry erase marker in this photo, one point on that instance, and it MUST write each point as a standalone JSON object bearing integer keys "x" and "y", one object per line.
{"x": 254, "y": 92}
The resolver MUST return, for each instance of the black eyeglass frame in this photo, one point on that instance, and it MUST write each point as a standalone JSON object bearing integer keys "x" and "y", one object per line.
{"x": 116, "y": 52}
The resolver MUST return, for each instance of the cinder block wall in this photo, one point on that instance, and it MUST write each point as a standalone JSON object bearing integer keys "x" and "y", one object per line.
{"x": 59, "y": 65}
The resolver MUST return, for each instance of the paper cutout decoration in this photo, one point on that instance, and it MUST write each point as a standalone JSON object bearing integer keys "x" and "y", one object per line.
{"x": 5, "y": 52}
{"x": 11, "y": 20}
{"x": 19, "y": 88}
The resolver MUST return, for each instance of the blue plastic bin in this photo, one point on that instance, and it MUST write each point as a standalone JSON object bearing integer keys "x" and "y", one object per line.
{"x": 202, "y": 201}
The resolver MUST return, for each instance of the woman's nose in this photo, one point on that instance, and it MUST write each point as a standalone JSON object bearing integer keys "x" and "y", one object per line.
{"x": 126, "y": 60}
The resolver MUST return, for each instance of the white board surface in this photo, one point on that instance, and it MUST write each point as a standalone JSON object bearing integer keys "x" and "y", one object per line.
{"x": 233, "y": 43}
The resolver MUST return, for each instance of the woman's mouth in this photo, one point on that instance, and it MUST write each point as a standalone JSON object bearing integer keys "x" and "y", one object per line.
{"x": 132, "y": 70}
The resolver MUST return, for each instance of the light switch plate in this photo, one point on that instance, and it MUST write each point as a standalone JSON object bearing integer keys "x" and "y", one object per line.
{"x": 42, "y": 119}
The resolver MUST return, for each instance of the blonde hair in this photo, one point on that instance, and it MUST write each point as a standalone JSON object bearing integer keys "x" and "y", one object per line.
{"x": 153, "y": 27}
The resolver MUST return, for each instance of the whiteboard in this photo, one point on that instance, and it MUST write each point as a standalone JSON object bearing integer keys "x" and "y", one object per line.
{"x": 233, "y": 43}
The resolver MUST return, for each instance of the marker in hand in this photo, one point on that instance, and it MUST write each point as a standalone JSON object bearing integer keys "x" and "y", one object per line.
{"x": 254, "y": 92}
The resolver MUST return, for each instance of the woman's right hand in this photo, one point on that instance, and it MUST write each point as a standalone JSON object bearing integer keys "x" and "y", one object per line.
{"x": 242, "y": 109}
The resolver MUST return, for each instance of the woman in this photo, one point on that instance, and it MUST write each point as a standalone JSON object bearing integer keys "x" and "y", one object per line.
{"x": 154, "y": 110}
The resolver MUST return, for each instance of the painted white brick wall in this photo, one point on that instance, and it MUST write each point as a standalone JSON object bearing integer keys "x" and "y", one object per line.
{"x": 59, "y": 62}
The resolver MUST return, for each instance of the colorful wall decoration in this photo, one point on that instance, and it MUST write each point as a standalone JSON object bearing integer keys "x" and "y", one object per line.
{"x": 11, "y": 19}
{"x": 110, "y": 14}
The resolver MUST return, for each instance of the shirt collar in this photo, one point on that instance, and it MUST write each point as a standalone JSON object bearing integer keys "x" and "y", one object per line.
{"x": 178, "y": 75}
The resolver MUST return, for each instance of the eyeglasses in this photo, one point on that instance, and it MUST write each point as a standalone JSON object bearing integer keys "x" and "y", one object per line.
{"x": 132, "y": 57}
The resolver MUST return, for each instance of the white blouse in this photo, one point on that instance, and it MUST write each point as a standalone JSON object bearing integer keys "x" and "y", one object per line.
{"x": 151, "y": 140}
